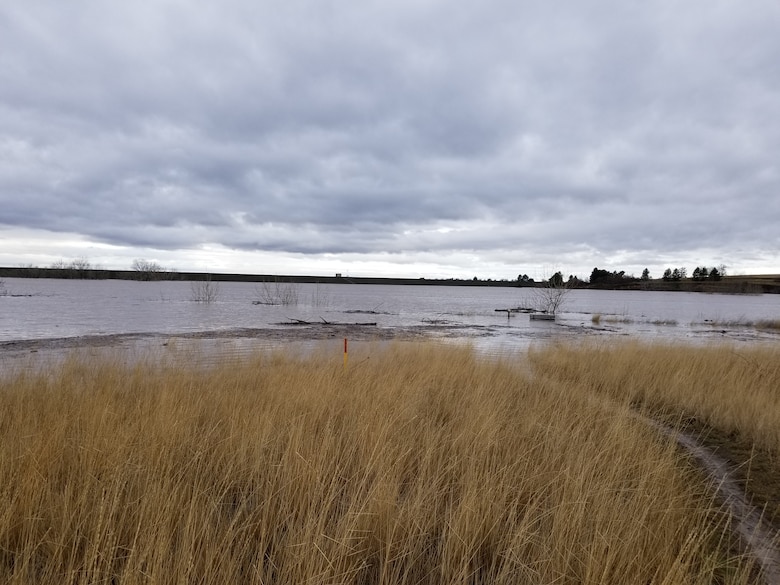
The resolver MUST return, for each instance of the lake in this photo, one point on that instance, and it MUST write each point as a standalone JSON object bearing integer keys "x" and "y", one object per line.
{"x": 41, "y": 309}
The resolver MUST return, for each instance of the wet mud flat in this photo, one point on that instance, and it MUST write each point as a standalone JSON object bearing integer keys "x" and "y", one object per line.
{"x": 213, "y": 345}
{"x": 293, "y": 331}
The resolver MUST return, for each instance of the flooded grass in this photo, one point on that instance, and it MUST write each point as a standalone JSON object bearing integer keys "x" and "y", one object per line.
{"x": 664, "y": 322}
{"x": 597, "y": 319}
{"x": 765, "y": 324}
{"x": 418, "y": 463}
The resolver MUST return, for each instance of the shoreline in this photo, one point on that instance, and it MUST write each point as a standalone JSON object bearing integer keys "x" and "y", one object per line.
{"x": 312, "y": 332}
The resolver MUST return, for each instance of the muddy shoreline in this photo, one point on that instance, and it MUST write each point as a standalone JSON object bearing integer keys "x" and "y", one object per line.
{"x": 290, "y": 332}
{"x": 220, "y": 343}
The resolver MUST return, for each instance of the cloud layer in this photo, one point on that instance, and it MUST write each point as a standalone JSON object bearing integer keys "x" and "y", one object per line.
{"x": 503, "y": 134}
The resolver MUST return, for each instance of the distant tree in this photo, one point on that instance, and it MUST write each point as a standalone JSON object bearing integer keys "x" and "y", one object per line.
{"x": 556, "y": 280}
{"x": 700, "y": 273}
{"x": 81, "y": 263}
{"x": 645, "y": 274}
{"x": 77, "y": 268}
{"x": 605, "y": 277}
{"x": 676, "y": 274}
{"x": 715, "y": 274}
{"x": 598, "y": 276}
{"x": 147, "y": 269}
{"x": 667, "y": 274}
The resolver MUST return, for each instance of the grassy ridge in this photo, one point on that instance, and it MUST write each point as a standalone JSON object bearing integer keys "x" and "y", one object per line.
{"x": 421, "y": 464}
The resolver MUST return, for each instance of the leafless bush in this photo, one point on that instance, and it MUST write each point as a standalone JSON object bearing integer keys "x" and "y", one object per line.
{"x": 277, "y": 293}
{"x": 551, "y": 297}
{"x": 204, "y": 291}
{"x": 319, "y": 296}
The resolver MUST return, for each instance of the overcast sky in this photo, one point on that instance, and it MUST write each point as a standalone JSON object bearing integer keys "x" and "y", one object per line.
{"x": 404, "y": 138}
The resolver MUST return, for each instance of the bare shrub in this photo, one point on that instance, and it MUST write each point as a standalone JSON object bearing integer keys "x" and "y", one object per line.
{"x": 277, "y": 293}
{"x": 204, "y": 291}
{"x": 320, "y": 296}
{"x": 550, "y": 298}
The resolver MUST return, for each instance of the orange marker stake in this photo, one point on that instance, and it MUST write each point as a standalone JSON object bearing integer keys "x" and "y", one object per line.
{"x": 345, "y": 353}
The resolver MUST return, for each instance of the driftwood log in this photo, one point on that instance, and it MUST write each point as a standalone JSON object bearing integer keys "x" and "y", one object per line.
{"x": 323, "y": 322}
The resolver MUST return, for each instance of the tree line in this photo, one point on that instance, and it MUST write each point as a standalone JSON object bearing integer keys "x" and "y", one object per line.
{"x": 700, "y": 273}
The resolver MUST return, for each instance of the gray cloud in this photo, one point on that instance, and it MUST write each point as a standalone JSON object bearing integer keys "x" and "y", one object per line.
{"x": 588, "y": 132}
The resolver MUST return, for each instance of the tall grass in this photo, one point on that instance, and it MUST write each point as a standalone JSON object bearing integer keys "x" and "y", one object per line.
{"x": 726, "y": 394}
{"x": 421, "y": 464}
{"x": 731, "y": 388}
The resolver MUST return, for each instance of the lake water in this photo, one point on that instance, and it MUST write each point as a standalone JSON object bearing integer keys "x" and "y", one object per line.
{"x": 40, "y": 309}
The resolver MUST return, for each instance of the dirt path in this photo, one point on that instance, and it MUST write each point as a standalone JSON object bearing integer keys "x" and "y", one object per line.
{"x": 761, "y": 539}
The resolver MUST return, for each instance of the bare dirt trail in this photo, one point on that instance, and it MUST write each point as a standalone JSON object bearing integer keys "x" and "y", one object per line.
{"x": 762, "y": 540}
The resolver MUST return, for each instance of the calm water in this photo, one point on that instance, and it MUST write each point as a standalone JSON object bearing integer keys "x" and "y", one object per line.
{"x": 49, "y": 308}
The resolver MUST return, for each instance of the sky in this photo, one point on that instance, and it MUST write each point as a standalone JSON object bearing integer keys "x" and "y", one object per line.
{"x": 408, "y": 138}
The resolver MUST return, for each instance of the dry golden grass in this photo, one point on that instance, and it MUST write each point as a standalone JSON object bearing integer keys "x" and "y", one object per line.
{"x": 728, "y": 394}
{"x": 421, "y": 464}
{"x": 731, "y": 388}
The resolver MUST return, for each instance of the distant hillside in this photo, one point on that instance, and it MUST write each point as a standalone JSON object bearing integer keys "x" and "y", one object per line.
{"x": 748, "y": 284}
{"x": 100, "y": 274}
